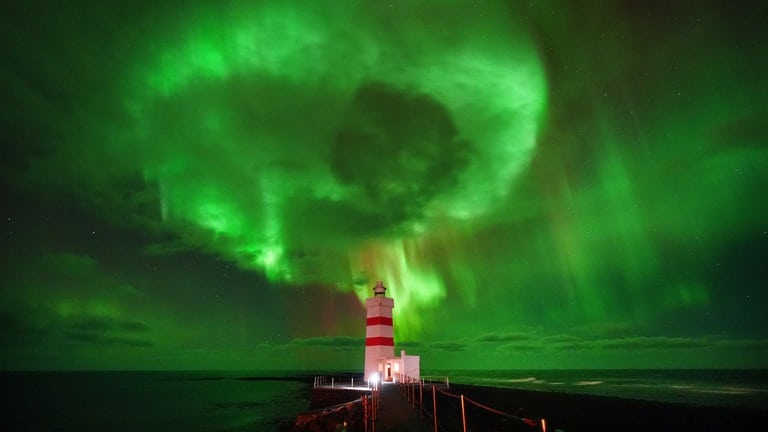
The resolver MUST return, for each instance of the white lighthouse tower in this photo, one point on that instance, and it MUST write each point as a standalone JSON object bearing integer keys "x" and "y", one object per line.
{"x": 380, "y": 357}
{"x": 379, "y": 338}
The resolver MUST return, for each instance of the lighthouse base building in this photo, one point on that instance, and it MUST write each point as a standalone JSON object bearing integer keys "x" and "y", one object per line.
{"x": 396, "y": 369}
{"x": 380, "y": 361}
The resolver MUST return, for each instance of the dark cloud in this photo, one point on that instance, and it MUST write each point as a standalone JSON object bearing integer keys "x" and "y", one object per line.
{"x": 503, "y": 337}
{"x": 99, "y": 324}
{"x": 171, "y": 247}
{"x": 747, "y": 132}
{"x": 448, "y": 346}
{"x": 410, "y": 344}
{"x": 399, "y": 148}
{"x": 520, "y": 346}
{"x": 605, "y": 329}
{"x": 69, "y": 264}
{"x": 101, "y": 331}
{"x": 56, "y": 277}
{"x": 99, "y": 339}
{"x": 556, "y": 339}
{"x": 758, "y": 344}
{"x": 641, "y": 343}
{"x": 564, "y": 343}
{"x": 22, "y": 325}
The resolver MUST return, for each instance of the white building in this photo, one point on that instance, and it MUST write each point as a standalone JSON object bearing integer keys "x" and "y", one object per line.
{"x": 380, "y": 357}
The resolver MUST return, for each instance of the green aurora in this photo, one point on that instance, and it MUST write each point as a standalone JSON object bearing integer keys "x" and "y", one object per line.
{"x": 218, "y": 185}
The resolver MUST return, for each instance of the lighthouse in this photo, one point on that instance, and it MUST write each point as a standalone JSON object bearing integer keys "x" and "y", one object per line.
{"x": 380, "y": 360}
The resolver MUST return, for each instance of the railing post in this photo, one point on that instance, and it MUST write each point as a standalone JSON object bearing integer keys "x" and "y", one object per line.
{"x": 373, "y": 408}
{"x": 543, "y": 425}
{"x": 332, "y": 382}
{"x": 434, "y": 406}
{"x": 421, "y": 399}
{"x": 463, "y": 416}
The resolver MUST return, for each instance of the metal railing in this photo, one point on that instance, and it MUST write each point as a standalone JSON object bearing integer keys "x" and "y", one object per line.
{"x": 370, "y": 402}
{"x": 348, "y": 381}
{"x": 413, "y": 390}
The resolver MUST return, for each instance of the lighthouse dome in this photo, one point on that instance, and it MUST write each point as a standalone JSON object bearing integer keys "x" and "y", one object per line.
{"x": 379, "y": 289}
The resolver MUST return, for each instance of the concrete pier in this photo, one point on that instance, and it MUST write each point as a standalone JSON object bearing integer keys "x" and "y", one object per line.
{"x": 334, "y": 407}
{"x": 397, "y": 414}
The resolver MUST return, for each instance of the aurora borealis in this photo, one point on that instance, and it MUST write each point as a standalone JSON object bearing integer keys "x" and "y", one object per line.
{"x": 218, "y": 185}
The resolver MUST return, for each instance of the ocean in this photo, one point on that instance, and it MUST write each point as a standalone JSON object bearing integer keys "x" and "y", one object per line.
{"x": 151, "y": 401}
{"x": 730, "y": 388}
{"x": 242, "y": 401}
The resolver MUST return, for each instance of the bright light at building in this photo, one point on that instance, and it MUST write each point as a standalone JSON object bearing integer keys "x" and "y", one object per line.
{"x": 374, "y": 379}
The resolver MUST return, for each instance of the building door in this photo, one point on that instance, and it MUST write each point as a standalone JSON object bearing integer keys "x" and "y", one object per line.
{"x": 389, "y": 371}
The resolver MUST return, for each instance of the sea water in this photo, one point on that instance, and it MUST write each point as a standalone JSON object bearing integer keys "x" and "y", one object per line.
{"x": 150, "y": 401}
{"x": 745, "y": 388}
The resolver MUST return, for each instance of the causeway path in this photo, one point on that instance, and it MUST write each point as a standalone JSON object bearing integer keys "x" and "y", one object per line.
{"x": 396, "y": 413}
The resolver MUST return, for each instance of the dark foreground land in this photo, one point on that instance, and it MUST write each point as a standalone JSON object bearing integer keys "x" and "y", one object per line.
{"x": 581, "y": 413}
{"x": 563, "y": 412}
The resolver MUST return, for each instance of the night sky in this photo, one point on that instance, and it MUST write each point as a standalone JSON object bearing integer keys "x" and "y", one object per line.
{"x": 539, "y": 184}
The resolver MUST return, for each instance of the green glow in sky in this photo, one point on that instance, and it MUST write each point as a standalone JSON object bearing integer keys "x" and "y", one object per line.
{"x": 538, "y": 184}
{"x": 416, "y": 132}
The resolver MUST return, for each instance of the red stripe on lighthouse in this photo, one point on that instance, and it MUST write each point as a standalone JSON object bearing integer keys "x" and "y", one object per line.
{"x": 379, "y": 341}
{"x": 379, "y": 320}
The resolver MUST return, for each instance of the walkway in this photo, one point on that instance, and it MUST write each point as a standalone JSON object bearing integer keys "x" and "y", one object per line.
{"x": 397, "y": 414}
